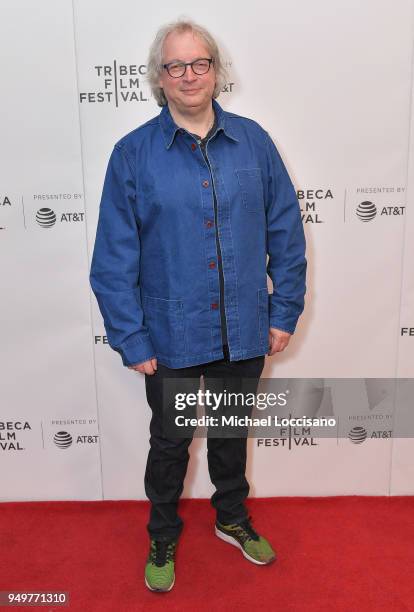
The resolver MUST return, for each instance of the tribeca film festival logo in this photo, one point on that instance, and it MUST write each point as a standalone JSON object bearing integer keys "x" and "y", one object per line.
{"x": 290, "y": 437}
{"x": 310, "y": 201}
{"x": 10, "y": 434}
{"x": 123, "y": 83}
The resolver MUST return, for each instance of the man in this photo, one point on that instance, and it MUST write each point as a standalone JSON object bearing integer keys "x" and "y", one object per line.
{"x": 193, "y": 202}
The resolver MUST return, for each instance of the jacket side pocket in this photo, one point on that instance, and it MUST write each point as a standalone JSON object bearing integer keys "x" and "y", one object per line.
{"x": 165, "y": 321}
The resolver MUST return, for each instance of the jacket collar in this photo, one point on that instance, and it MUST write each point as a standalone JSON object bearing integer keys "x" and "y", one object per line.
{"x": 169, "y": 128}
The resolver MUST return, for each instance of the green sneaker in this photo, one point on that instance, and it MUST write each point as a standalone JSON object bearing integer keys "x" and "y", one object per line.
{"x": 253, "y": 546}
{"x": 159, "y": 569}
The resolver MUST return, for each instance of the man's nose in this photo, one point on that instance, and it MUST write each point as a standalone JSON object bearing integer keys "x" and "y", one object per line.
{"x": 189, "y": 74}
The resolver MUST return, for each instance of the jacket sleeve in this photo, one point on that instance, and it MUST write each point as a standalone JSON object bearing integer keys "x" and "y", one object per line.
{"x": 114, "y": 273}
{"x": 285, "y": 245}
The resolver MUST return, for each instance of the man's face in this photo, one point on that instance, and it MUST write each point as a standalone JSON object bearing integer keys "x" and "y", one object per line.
{"x": 191, "y": 92}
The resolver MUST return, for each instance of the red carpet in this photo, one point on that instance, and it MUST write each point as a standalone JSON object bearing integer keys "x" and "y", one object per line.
{"x": 334, "y": 553}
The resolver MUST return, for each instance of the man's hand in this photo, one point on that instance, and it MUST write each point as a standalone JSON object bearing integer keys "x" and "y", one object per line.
{"x": 148, "y": 367}
{"x": 278, "y": 340}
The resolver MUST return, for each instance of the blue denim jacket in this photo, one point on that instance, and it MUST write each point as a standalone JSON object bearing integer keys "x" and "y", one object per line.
{"x": 153, "y": 268}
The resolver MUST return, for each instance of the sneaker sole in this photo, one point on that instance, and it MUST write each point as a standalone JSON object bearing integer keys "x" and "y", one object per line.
{"x": 159, "y": 590}
{"x": 230, "y": 540}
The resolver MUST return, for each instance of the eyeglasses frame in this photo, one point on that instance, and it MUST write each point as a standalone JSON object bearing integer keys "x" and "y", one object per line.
{"x": 210, "y": 61}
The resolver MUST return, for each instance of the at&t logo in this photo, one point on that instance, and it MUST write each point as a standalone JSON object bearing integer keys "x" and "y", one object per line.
{"x": 62, "y": 439}
{"x": 367, "y": 211}
{"x": 46, "y": 217}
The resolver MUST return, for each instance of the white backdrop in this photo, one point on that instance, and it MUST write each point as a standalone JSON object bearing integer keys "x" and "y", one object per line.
{"x": 333, "y": 84}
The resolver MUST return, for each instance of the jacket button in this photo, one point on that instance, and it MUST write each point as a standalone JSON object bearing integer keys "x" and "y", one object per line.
{"x": 205, "y": 183}
{"x": 214, "y": 306}
{"x": 212, "y": 264}
{"x": 209, "y": 224}
{"x": 193, "y": 146}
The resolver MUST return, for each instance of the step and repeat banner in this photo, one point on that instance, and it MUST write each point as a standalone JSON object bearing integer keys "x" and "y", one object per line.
{"x": 332, "y": 83}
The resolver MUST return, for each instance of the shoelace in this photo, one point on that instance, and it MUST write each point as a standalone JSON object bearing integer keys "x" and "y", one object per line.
{"x": 162, "y": 552}
{"x": 246, "y": 531}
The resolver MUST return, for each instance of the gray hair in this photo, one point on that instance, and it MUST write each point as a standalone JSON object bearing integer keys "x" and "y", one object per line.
{"x": 155, "y": 58}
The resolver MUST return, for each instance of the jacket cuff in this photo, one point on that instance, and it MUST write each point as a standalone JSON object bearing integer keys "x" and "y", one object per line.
{"x": 284, "y": 322}
{"x": 136, "y": 351}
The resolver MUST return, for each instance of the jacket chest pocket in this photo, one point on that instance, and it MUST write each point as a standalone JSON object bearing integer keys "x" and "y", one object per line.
{"x": 251, "y": 187}
{"x": 165, "y": 322}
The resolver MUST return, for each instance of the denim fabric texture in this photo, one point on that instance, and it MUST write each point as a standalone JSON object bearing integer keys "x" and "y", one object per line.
{"x": 154, "y": 266}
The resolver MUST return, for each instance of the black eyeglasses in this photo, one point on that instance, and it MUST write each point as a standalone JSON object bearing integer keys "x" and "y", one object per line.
{"x": 198, "y": 66}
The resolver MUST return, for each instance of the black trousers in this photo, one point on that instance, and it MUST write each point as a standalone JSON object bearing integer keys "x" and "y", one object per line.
{"x": 168, "y": 456}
